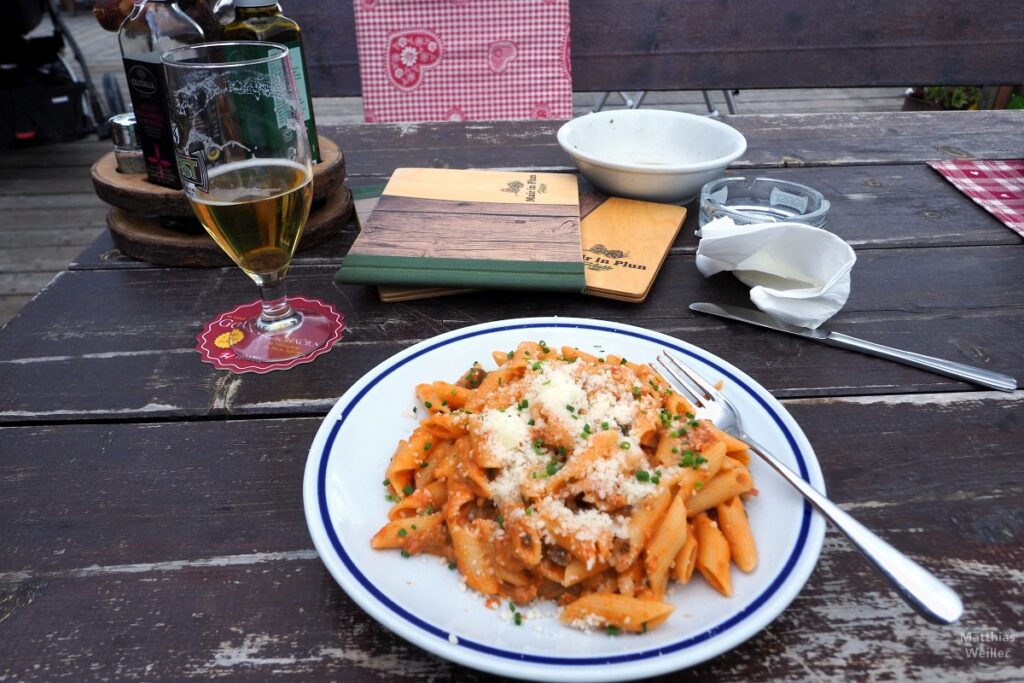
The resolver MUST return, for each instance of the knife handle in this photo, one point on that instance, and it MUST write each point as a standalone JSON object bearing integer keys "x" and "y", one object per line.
{"x": 985, "y": 378}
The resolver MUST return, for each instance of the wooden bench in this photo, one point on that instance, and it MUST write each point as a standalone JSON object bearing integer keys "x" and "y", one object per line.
{"x": 715, "y": 44}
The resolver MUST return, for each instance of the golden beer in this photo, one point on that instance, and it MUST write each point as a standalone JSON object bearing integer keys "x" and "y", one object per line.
{"x": 255, "y": 210}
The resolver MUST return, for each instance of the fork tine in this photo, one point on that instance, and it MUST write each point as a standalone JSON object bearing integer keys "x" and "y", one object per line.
{"x": 707, "y": 388}
{"x": 695, "y": 395}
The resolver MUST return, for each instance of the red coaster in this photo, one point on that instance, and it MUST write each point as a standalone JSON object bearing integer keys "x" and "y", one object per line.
{"x": 218, "y": 337}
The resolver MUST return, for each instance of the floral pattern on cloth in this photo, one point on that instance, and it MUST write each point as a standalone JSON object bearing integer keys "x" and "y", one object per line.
{"x": 455, "y": 60}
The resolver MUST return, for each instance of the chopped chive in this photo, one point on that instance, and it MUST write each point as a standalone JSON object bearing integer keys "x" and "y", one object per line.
{"x": 624, "y": 445}
{"x": 428, "y": 404}
{"x": 414, "y": 409}
{"x": 698, "y": 484}
{"x": 501, "y": 521}
{"x": 532, "y": 422}
{"x": 586, "y": 428}
{"x": 523, "y": 405}
{"x": 536, "y": 366}
{"x": 561, "y": 451}
{"x": 414, "y": 527}
{"x": 511, "y": 606}
{"x": 405, "y": 554}
{"x": 510, "y": 354}
{"x": 387, "y": 482}
{"x": 643, "y": 475}
{"x": 675, "y": 450}
{"x": 452, "y": 565}
{"x": 643, "y": 627}
{"x": 623, "y": 361}
{"x": 612, "y": 630}
{"x": 428, "y": 445}
{"x": 529, "y": 511}
{"x": 430, "y": 509}
{"x": 408, "y": 489}
{"x": 604, "y": 426}
{"x": 552, "y": 468}
{"x": 544, "y": 384}
{"x": 656, "y": 479}
{"x": 518, "y": 619}
{"x": 424, "y": 465}
{"x": 391, "y": 499}
{"x": 570, "y": 409}
{"x": 444, "y": 402}
{"x": 402, "y": 532}
{"x": 636, "y": 392}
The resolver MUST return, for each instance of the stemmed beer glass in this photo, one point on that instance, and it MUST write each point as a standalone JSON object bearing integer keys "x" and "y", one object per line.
{"x": 244, "y": 161}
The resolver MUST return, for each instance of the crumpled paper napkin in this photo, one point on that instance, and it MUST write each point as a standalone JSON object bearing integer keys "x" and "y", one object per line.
{"x": 797, "y": 273}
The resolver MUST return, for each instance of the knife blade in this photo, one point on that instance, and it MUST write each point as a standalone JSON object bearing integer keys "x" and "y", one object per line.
{"x": 961, "y": 371}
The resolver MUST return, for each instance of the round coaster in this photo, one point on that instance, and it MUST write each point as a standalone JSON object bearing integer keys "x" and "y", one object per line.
{"x": 219, "y": 336}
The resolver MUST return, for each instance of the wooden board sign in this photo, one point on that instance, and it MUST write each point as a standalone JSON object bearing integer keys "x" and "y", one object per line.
{"x": 467, "y": 228}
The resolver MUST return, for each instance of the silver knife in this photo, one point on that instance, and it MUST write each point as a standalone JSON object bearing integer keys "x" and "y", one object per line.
{"x": 985, "y": 378}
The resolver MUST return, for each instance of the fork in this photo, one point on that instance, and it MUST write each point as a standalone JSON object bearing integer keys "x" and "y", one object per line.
{"x": 921, "y": 589}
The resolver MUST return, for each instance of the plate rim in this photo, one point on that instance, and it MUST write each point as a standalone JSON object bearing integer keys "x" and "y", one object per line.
{"x": 771, "y": 601}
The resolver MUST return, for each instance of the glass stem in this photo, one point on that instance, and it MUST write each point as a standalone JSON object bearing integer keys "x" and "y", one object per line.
{"x": 276, "y": 315}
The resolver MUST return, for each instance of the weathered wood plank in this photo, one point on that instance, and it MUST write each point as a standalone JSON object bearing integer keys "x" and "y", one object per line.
{"x": 774, "y": 141}
{"x": 664, "y": 45}
{"x": 27, "y": 218}
{"x": 31, "y": 259}
{"x": 287, "y": 619}
{"x": 168, "y": 541}
{"x": 48, "y": 238}
{"x": 54, "y": 354}
{"x": 23, "y": 283}
{"x": 874, "y": 207}
{"x": 10, "y": 304}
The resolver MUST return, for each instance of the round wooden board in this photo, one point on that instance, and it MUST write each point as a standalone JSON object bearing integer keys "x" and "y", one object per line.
{"x": 146, "y": 239}
{"x": 136, "y": 195}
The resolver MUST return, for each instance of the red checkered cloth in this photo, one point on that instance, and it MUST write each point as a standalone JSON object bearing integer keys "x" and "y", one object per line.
{"x": 455, "y": 60}
{"x": 998, "y": 186}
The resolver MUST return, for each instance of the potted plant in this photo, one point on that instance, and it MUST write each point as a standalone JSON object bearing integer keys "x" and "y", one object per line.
{"x": 954, "y": 98}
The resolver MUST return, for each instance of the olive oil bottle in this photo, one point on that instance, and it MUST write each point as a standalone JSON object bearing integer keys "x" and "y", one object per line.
{"x": 262, "y": 20}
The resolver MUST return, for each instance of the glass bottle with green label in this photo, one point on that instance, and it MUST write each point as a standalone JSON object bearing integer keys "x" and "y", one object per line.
{"x": 262, "y": 20}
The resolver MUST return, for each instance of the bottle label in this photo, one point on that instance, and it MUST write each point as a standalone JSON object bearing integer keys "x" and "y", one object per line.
{"x": 302, "y": 85}
{"x": 148, "y": 92}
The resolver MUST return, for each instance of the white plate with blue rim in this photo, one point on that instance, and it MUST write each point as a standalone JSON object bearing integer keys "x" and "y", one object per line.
{"x": 424, "y": 602}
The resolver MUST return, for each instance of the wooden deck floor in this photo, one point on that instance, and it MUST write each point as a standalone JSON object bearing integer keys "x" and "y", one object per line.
{"x": 48, "y": 212}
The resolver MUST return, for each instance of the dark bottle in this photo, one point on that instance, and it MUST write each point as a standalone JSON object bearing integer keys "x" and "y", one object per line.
{"x": 153, "y": 27}
{"x": 262, "y": 20}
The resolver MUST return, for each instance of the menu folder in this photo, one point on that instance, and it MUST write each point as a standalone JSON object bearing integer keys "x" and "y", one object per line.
{"x": 471, "y": 229}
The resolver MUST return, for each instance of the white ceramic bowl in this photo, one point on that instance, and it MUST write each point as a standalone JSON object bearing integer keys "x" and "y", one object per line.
{"x": 651, "y": 154}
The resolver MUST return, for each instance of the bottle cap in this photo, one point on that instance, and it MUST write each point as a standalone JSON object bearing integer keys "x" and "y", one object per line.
{"x": 122, "y": 130}
{"x": 254, "y": 3}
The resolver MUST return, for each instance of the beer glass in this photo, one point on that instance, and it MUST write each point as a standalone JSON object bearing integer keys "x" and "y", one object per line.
{"x": 244, "y": 161}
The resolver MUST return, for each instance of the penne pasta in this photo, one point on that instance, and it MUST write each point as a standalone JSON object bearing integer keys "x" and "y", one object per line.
{"x": 732, "y": 520}
{"x": 712, "y": 555}
{"x": 574, "y": 476}
{"x": 601, "y": 610}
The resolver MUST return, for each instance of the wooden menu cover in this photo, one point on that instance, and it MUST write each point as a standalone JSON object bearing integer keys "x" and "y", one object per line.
{"x": 624, "y": 245}
{"x": 465, "y": 228}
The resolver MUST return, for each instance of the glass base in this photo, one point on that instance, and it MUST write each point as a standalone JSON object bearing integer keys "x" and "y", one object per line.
{"x": 309, "y": 332}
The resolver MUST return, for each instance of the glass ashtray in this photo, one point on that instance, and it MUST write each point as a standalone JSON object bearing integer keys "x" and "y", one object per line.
{"x": 762, "y": 200}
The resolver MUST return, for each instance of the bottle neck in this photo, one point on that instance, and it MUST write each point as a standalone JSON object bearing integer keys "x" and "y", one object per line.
{"x": 269, "y": 10}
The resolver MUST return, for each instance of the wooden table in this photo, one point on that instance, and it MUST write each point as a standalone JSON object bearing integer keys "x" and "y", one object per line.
{"x": 151, "y": 512}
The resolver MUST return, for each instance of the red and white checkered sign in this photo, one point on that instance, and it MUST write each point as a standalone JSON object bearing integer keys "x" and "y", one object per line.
{"x": 998, "y": 186}
{"x": 455, "y": 60}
